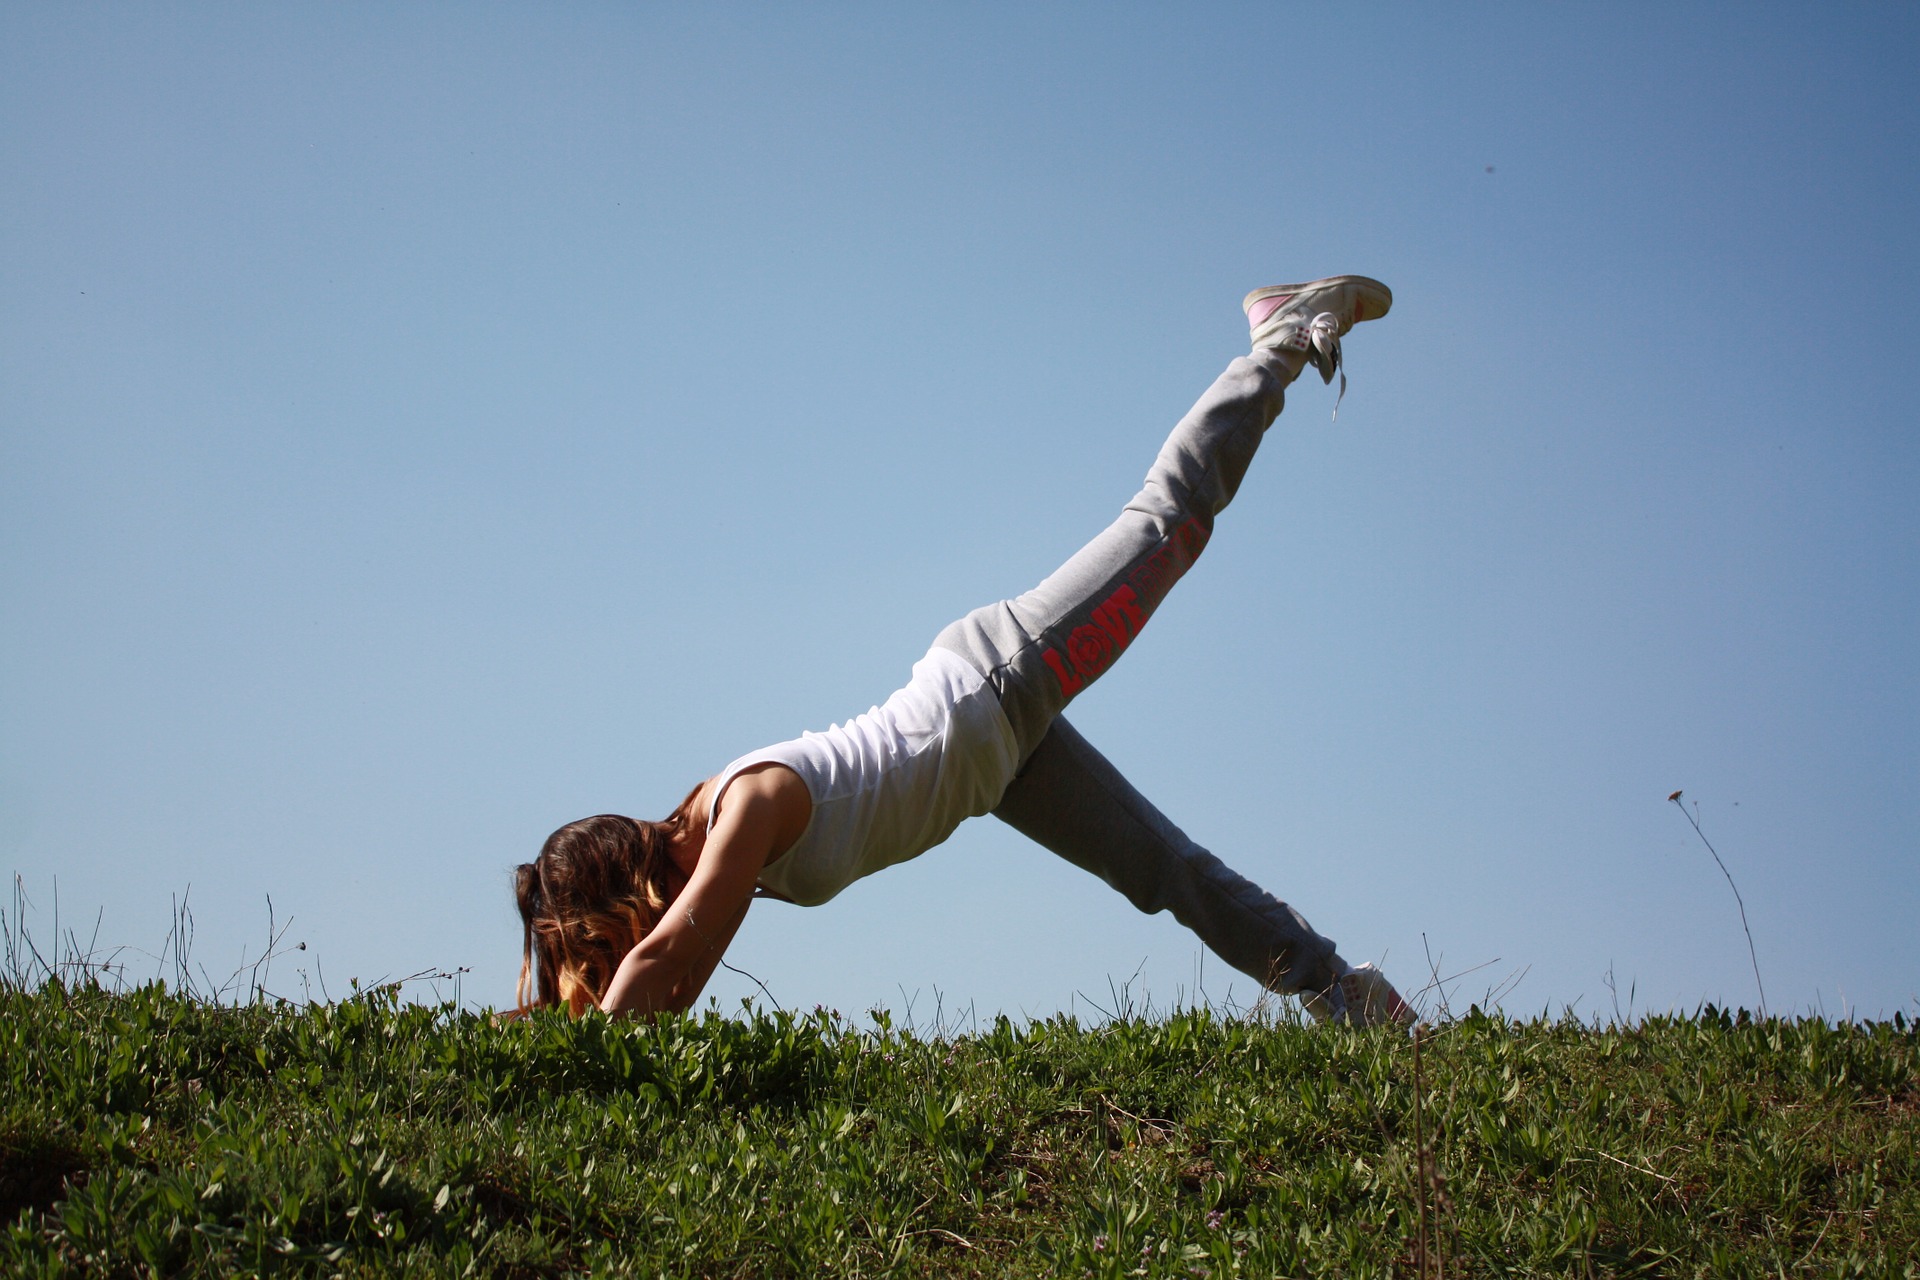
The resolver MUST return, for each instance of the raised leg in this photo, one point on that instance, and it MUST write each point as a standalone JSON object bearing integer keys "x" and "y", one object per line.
{"x": 1040, "y": 649}
{"x": 1071, "y": 800}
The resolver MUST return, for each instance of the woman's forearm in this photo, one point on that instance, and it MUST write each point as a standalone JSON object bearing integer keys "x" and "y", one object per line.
{"x": 717, "y": 943}
{"x": 642, "y": 985}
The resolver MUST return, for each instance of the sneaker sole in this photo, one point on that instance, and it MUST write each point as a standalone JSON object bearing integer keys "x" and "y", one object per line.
{"x": 1371, "y": 298}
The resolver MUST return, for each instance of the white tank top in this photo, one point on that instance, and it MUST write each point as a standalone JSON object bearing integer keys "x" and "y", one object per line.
{"x": 890, "y": 784}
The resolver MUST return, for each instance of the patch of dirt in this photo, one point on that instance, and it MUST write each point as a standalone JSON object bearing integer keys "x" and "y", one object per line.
{"x": 36, "y": 1168}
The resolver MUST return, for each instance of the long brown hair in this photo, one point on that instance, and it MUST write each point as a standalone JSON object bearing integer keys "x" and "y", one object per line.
{"x": 599, "y": 886}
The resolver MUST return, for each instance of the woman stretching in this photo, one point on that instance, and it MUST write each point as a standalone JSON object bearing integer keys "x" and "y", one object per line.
{"x": 631, "y": 917}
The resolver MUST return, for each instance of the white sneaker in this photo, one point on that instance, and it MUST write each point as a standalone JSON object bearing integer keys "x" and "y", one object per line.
{"x": 1311, "y": 318}
{"x": 1361, "y": 997}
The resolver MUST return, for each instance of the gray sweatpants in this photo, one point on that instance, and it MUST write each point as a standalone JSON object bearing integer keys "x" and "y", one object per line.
{"x": 1040, "y": 649}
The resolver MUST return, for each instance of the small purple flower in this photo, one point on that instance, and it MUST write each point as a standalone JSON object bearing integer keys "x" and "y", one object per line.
{"x": 1214, "y": 1219}
{"x": 1099, "y": 1244}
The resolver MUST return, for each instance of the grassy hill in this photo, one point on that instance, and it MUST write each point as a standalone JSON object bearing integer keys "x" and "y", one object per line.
{"x": 142, "y": 1133}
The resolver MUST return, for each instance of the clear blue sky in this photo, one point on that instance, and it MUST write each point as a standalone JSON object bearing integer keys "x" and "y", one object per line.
{"x": 420, "y": 426}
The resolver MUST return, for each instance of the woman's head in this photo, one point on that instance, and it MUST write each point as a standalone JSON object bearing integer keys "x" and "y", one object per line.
{"x": 597, "y": 888}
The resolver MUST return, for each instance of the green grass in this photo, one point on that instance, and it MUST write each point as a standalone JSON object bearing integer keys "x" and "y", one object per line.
{"x": 142, "y": 1133}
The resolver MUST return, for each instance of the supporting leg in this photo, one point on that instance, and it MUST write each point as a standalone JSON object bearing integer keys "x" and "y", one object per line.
{"x": 1071, "y": 800}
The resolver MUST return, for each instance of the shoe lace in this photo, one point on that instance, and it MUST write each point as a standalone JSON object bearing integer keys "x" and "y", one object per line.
{"x": 1323, "y": 348}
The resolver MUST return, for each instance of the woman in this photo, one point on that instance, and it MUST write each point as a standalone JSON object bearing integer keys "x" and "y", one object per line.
{"x": 632, "y": 917}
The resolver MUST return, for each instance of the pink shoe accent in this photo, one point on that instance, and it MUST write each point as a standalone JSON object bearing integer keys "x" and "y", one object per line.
{"x": 1260, "y": 310}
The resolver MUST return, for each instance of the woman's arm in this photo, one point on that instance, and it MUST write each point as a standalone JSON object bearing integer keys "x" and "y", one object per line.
{"x": 682, "y": 997}
{"x": 670, "y": 966}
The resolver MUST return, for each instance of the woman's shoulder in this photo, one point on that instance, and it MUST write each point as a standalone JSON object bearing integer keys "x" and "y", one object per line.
{"x": 764, "y": 777}
{"x": 773, "y": 792}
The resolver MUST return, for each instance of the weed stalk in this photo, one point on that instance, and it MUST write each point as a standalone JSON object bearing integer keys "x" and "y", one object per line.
{"x": 1737, "y": 900}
